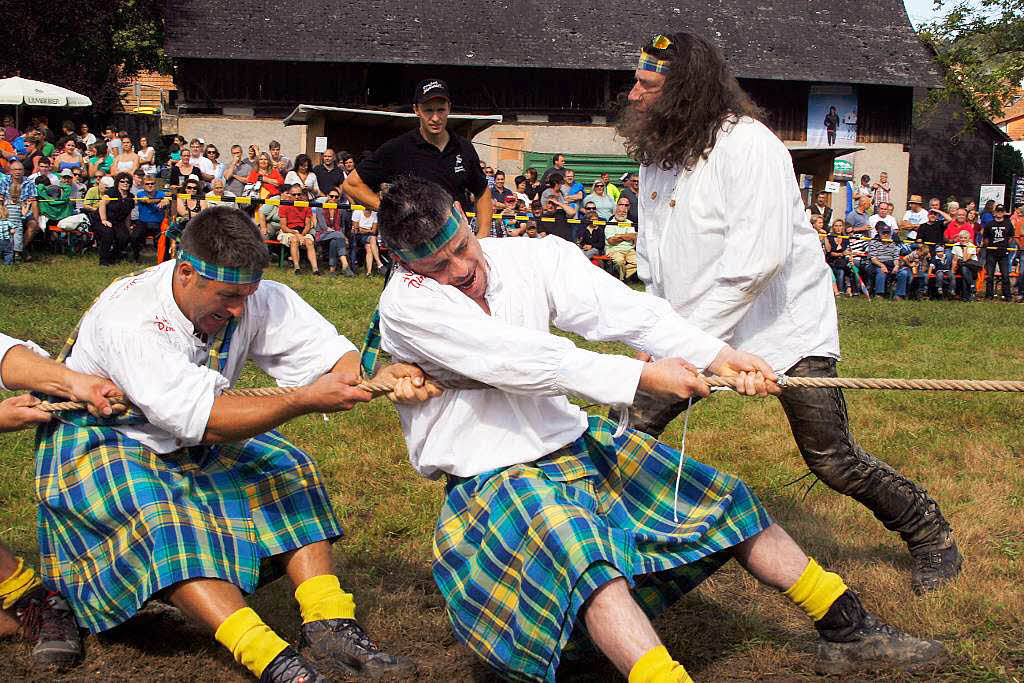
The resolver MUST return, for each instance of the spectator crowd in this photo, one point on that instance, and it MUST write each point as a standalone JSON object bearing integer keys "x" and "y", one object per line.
{"x": 112, "y": 193}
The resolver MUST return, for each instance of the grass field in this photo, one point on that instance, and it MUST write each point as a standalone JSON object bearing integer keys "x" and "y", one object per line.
{"x": 965, "y": 449}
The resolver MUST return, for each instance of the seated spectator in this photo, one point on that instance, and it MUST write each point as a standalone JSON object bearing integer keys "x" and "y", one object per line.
{"x": 364, "y": 237}
{"x": 302, "y": 174}
{"x": 266, "y": 180}
{"x": 84, "y": 136}
{"x": 187, "y": 206}
{"x": 940, "y": 282}
{"x": 503, "y": 197}
{"x": 620, "y": 239}
{"x": 78, "y": 183}
{"x": 44, "y": 167}
{"x": 609, "y": 189}
{"x": 881, "y": 257}
{"x": 205, "y": 168}
{"x": 914, "y": 267}
{"x": 113, "y": 233}
{"x": 281, "y": 163}
{"x": 601, "y": 199}
{"x": 591, "y": 235}
{"x": 331, "y": 232}
{"x": 91, "y": 205}
{"x": 935, "y": 204}
{"x": 69, "y": 157}
{"x": 147, "y": 157}
{"x": 533, "y": 184}
{"x": 521, "y": 195}
{"x": 297, "y": 228}
{"x": 127, "y": 161}
{"x": 9, "y": 131}
{"x": 329, "y": 174}
{"x": 883, "y": 214}
{"x": 914, "y": 217}
{"x": 960, "y": 223}
{"x": 818, "y": 223}
{"x": 931, "y": 232}
{"x": 219, "y": 191}
{"x": 837, "y": 250}
{"x": 268, "y": 219}
{"x": 631, "y": 190}
{"x": 966, "y": 264}
{"x": 212, "y": 155}
{"x": 975, "y": 223}
{"x": 182, "y": 169}
{"x": 152, "y": 206}
{"x": 54, "y": 199}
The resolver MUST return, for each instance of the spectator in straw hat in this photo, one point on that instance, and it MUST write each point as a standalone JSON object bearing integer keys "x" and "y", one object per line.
{"x": 914, "y": 216}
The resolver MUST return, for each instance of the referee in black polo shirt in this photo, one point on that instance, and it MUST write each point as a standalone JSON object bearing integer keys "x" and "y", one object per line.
{"x": 431, "y": 152}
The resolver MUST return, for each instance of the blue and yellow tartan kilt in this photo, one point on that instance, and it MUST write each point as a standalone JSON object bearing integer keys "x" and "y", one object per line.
{"x": 118, "y": 522}
{"x": 517, "y": 551}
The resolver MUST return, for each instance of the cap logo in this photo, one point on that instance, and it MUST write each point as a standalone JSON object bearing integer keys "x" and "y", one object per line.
{"x": 431, "y": 85}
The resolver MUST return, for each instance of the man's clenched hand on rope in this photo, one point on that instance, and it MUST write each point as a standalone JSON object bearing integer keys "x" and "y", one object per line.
{"x": 676, "y": 379}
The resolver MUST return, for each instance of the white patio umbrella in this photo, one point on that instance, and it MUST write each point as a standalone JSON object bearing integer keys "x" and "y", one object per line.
{"x": 19, "y": 91}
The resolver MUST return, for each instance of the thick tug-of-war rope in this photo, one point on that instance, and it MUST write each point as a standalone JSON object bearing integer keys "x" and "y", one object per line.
{"x": 379, "y": 388}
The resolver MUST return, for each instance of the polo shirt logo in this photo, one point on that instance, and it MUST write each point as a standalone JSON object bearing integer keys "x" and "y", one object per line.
{"x": 459, "y": 168}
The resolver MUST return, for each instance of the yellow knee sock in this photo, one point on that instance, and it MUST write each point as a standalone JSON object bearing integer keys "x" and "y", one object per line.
{"x": 816, "y": 590}
{"x": 17, "y": 584}
{"x": 657, "y": 666}
{"x": 321, "y": 597}
{"x": 251, "y": 641}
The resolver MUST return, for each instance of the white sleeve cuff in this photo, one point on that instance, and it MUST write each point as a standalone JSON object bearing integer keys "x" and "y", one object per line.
{"x": 673, "y": 336}
{"x": 8, "y": 343}
{"x": 195, "y": 426}
{"x": 602, "y": 378}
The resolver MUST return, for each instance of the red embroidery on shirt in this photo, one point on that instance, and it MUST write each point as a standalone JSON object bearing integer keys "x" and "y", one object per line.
{"x": 162, "y": 324}
{"x": 413, "y": 280}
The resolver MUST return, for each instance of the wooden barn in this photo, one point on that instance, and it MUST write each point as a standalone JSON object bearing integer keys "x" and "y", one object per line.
{"x": 552, "y": 70}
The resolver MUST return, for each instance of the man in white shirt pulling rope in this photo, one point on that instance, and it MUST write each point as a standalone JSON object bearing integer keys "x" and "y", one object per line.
{"x": 552, "y": 521}
{"x": 726, "y": 242}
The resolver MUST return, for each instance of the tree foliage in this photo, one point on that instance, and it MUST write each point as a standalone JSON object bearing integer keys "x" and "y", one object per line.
{"x": 89, "y": 46}
{"x": 1008, "y": 162}
{"x": 980, "y": 45}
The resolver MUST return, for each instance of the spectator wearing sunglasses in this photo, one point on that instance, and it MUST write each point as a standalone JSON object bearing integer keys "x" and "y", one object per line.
{"x": 112, "y": 234}
{"x": 600, "y": 198}
{"x": 212, "y": 155}
{"x": 331, "y": 232}
{"x": 152, "y": 203}
{"x": 297, "y": 228}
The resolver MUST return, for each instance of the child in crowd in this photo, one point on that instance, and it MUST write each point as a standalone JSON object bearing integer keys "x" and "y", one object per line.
{"x": 938, "y": 268}
{"x": 966, "y": 264}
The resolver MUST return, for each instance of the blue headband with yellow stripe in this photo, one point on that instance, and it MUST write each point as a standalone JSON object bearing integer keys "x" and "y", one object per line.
{"x": 434, "y": 244}
{"x": 227, "y": 274}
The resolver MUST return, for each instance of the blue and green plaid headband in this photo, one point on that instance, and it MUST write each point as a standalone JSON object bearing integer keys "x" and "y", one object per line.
{"x": 211, "y": 271}
{"x": 434, "y": 244}
{"x": 649, "y": 62}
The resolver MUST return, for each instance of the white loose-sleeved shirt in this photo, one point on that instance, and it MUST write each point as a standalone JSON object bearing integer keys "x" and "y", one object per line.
{"x": 8, "y": 343}
{"x": 136, "y": 335}
{"x": 729, "y": 246}
{"x": 531, "y": 284}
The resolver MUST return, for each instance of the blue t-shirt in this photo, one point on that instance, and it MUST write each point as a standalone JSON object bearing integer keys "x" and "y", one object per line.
{"x": 150, "y": 213}
{"x": 576, "y": 188}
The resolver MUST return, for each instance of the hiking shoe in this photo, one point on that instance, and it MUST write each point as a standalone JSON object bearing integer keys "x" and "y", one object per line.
{"x": 854, "y": 640}
{"x": 348, "y": 272}
{"x": 343, "y": 643}
{"x": 49, "y": 625}
{"x": 932, "y": 568}
{"x": 289, "y": 667}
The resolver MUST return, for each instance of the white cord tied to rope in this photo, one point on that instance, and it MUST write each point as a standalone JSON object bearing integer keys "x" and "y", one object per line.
{"x": 679, "y": 467}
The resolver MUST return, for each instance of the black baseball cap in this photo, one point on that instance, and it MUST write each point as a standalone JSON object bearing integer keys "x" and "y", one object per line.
{"x": 429, "y": 89}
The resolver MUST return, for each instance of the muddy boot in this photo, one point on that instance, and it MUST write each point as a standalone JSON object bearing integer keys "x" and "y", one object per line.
{"x": 289, "y": 667}
{"x": 49, "y": 626}
{"x": 854, "y": 640}
{"x": 342, "y": 646}
{"x": 932, "y": 568}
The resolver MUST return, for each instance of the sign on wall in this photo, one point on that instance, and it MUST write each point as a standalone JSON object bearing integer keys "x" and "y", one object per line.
{"x": 831, "y": 115}
{"x": 842, "y": 170}
{"x": 1017, "y": 192}
{"x": 994, "y": 192}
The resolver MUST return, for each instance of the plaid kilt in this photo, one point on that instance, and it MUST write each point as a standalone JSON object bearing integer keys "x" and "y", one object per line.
{"x": 517, "y": 551}
{"x": 119, "y": 523}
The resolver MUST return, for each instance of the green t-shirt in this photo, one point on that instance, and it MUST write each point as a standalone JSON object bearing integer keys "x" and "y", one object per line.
{"x": 104, "y": 164}
{"x": 54, "y": 201}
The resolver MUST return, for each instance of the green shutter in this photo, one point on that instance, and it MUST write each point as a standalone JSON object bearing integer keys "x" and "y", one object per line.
{"x": 587, "y": 166}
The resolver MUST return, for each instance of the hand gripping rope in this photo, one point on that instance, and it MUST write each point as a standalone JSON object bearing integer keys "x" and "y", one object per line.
{"x": 383, "y": 388}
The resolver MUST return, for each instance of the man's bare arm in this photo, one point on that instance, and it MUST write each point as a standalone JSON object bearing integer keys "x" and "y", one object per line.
{"x": 21, "y": 368}
{"x": 484, "y": 214}
{"x": 360, "y": 192}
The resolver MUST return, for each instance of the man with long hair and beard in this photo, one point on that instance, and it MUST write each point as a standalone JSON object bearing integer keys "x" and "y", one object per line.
{"x": 727, "y": 243}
